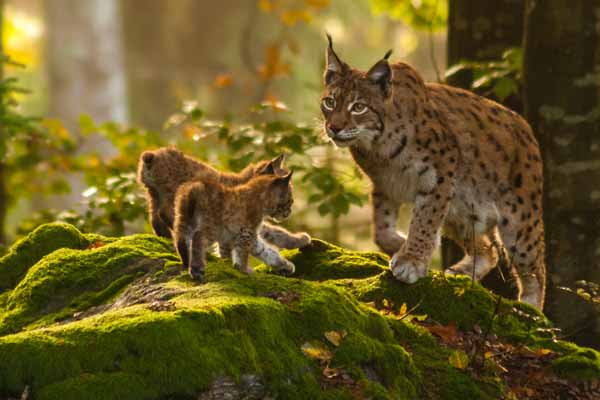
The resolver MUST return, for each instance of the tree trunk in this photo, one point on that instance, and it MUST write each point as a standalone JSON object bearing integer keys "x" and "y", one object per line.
{"x": 482, "y": 31}
{"x": 3, "y": 194}
{"x": 562, "y": 47}
{"x": 85, "y": 61}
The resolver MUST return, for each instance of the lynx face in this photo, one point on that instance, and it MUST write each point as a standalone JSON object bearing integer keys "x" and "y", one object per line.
{"x": 280, "y": 198}
{"x": 353, "y": 103}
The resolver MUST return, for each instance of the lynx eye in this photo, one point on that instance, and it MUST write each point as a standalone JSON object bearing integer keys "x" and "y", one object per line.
{"x": 329, "y": 103}
{"x": 358, "y": 108}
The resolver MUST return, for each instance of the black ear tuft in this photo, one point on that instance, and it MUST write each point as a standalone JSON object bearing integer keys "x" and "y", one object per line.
{"x": 333, "y": 65}
{"x": 381, "y": 73}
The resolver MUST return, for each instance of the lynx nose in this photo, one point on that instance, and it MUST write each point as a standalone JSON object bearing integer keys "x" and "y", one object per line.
{"x": 335, "y": 129}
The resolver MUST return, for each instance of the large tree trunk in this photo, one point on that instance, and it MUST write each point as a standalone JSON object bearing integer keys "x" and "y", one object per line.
{"x": 3, "y": 194}
{"x": 85, "y": 61}
{"x": 482, "y": 31}
{"x": 562, "y": 47}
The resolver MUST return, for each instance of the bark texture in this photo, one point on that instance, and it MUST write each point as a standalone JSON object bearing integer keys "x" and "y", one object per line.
{"x": 482, "y": 31}
{"x": 562, "y": 104}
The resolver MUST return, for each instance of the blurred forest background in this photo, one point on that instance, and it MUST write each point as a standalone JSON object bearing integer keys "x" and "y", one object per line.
{"x": 87, "y": 85}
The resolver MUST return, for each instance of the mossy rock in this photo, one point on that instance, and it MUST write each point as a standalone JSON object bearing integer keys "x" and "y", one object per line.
{"x": 117, "y": 318}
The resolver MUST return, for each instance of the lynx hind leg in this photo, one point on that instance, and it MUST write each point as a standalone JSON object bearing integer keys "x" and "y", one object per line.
{"x": 225, "y": 250}
{"x": 159, "y": 226}
{"x": 282, "y": 238}
{"x": 524, "y": 242}
{"x": 481, "y": 252}
{"x": 197, "y": 263}
{"x": 272, "y": 258}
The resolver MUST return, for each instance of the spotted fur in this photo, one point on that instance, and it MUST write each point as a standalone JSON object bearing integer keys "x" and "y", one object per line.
{"x": 208, "y": 211}
{"x": 162, "y": 171}
{"x": 469, "y": 165}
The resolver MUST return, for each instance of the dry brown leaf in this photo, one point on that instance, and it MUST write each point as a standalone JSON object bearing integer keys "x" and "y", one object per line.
{"x": 447, "y": 333}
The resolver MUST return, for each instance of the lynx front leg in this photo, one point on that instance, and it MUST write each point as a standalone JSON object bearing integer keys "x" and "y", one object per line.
{"x": 272, "y": 258}
{"x": 159, "y": 226}
{"x": 385, "y": 217}
{"x": 225, "y": 250}
{"x": 410, "y": 263}
{"x": 241, "y": 250}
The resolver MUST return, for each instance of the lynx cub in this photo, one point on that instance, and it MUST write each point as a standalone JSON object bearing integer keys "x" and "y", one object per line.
{"x": 162, "y": 171}
{"x": 207, "y": 211}
{"x": 468, "y": 164}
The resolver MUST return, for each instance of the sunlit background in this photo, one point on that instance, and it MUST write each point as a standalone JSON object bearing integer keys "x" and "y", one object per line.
{"x": 137, "y": 62}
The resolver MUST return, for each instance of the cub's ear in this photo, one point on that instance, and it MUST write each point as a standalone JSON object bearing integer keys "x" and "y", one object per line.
{"x": 277, "y": 162}
{"x": 268, "y": 169}
{"x": 284, "y": 179}
{"x": 334, "y": 67}
{"x": 381, "y": 73}
{"x": 147, "y": 157}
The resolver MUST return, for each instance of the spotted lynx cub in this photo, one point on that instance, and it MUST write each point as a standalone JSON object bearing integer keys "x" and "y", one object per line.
{"x": 468, "y": 164}
{"x": 162, "y": 171}
{"x": 208, "y": 211}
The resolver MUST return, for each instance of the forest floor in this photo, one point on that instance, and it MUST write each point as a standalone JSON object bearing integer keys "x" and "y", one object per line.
{"x": 87, "y": 316}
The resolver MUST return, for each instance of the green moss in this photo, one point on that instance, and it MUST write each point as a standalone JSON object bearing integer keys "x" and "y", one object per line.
{"x": 322, "y": 261}
{"x": 580, "y": 364}
{"x": 234, "y": 324}
{"x": 29, "y": 250}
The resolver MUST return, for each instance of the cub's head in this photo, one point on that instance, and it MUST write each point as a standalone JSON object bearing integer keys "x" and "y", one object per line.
{"x": 279, "y": 198}
{"x": 155, "y": 166}
{"x": 353, "y": 102}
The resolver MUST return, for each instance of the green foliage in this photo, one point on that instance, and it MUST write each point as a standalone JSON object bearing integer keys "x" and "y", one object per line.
{"x": 501, "y": 78}
{"x": 420, "y": 14}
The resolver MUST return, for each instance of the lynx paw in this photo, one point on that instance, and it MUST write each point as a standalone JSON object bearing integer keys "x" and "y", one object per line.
{"x": 287, "y": 268}
{"x": 196, "y": 273}
{"x": 304, "y": 239}
{"x": 407, "y": 269}
{"x": 248, "y": 270}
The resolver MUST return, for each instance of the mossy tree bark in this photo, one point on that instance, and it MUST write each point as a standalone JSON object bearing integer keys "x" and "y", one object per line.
{"x": 3, "y": 193}
{"x": 482, "y": 31}
{"x": 562, "y": 53}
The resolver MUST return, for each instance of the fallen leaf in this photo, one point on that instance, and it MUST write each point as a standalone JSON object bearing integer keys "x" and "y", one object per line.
{"x": 459, "y": 359}
{"x": 330, "y": 373}
{"x": 96, "y": 244}
{"x": 316, "y": 351}
{"x": 447, "y": 333}
{"x": 402, "y": 311}
{"x": 223, "y": 80}
{"x": 335, "y": 337}
{"x": 459, "y": 291}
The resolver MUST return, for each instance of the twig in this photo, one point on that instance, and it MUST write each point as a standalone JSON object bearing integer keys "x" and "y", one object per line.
{"x": 431, "y": 48}
{"x": 411, "y": 310}
{"x": 488, "y": 329}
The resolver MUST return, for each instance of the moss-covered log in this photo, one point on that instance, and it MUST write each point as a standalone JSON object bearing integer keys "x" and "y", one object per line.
{"x": 82, "y": 316}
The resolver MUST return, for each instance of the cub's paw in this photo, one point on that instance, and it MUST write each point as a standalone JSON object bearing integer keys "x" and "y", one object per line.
{"x": 286, "y": 268}
{"x": 304, "y": 240}
{"x": 407, "y": 269}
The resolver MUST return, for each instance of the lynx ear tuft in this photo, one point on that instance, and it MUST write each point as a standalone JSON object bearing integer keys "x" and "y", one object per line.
{"x": 268, "y": 169}
{"x": 381, "y": 73}
{"x": 333, "y": 65}
{"x": 147, "y": 157}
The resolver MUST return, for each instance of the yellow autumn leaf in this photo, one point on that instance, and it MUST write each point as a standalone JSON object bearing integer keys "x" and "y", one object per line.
{"x": 386, "y": 303}
{"x": 459, "y": 359}
{"x": 265, "y": 5}
{"x": 403, "y": 310}
{"x": 318, "y": 3}
{"x": 488, "y": 355}
{"x": 316, "y": 351}
{"x": 335, "y": 337}
{"x": 459, "y": 291}
{"x": 223, "y": 80}
{"x": 291, "y": 18}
